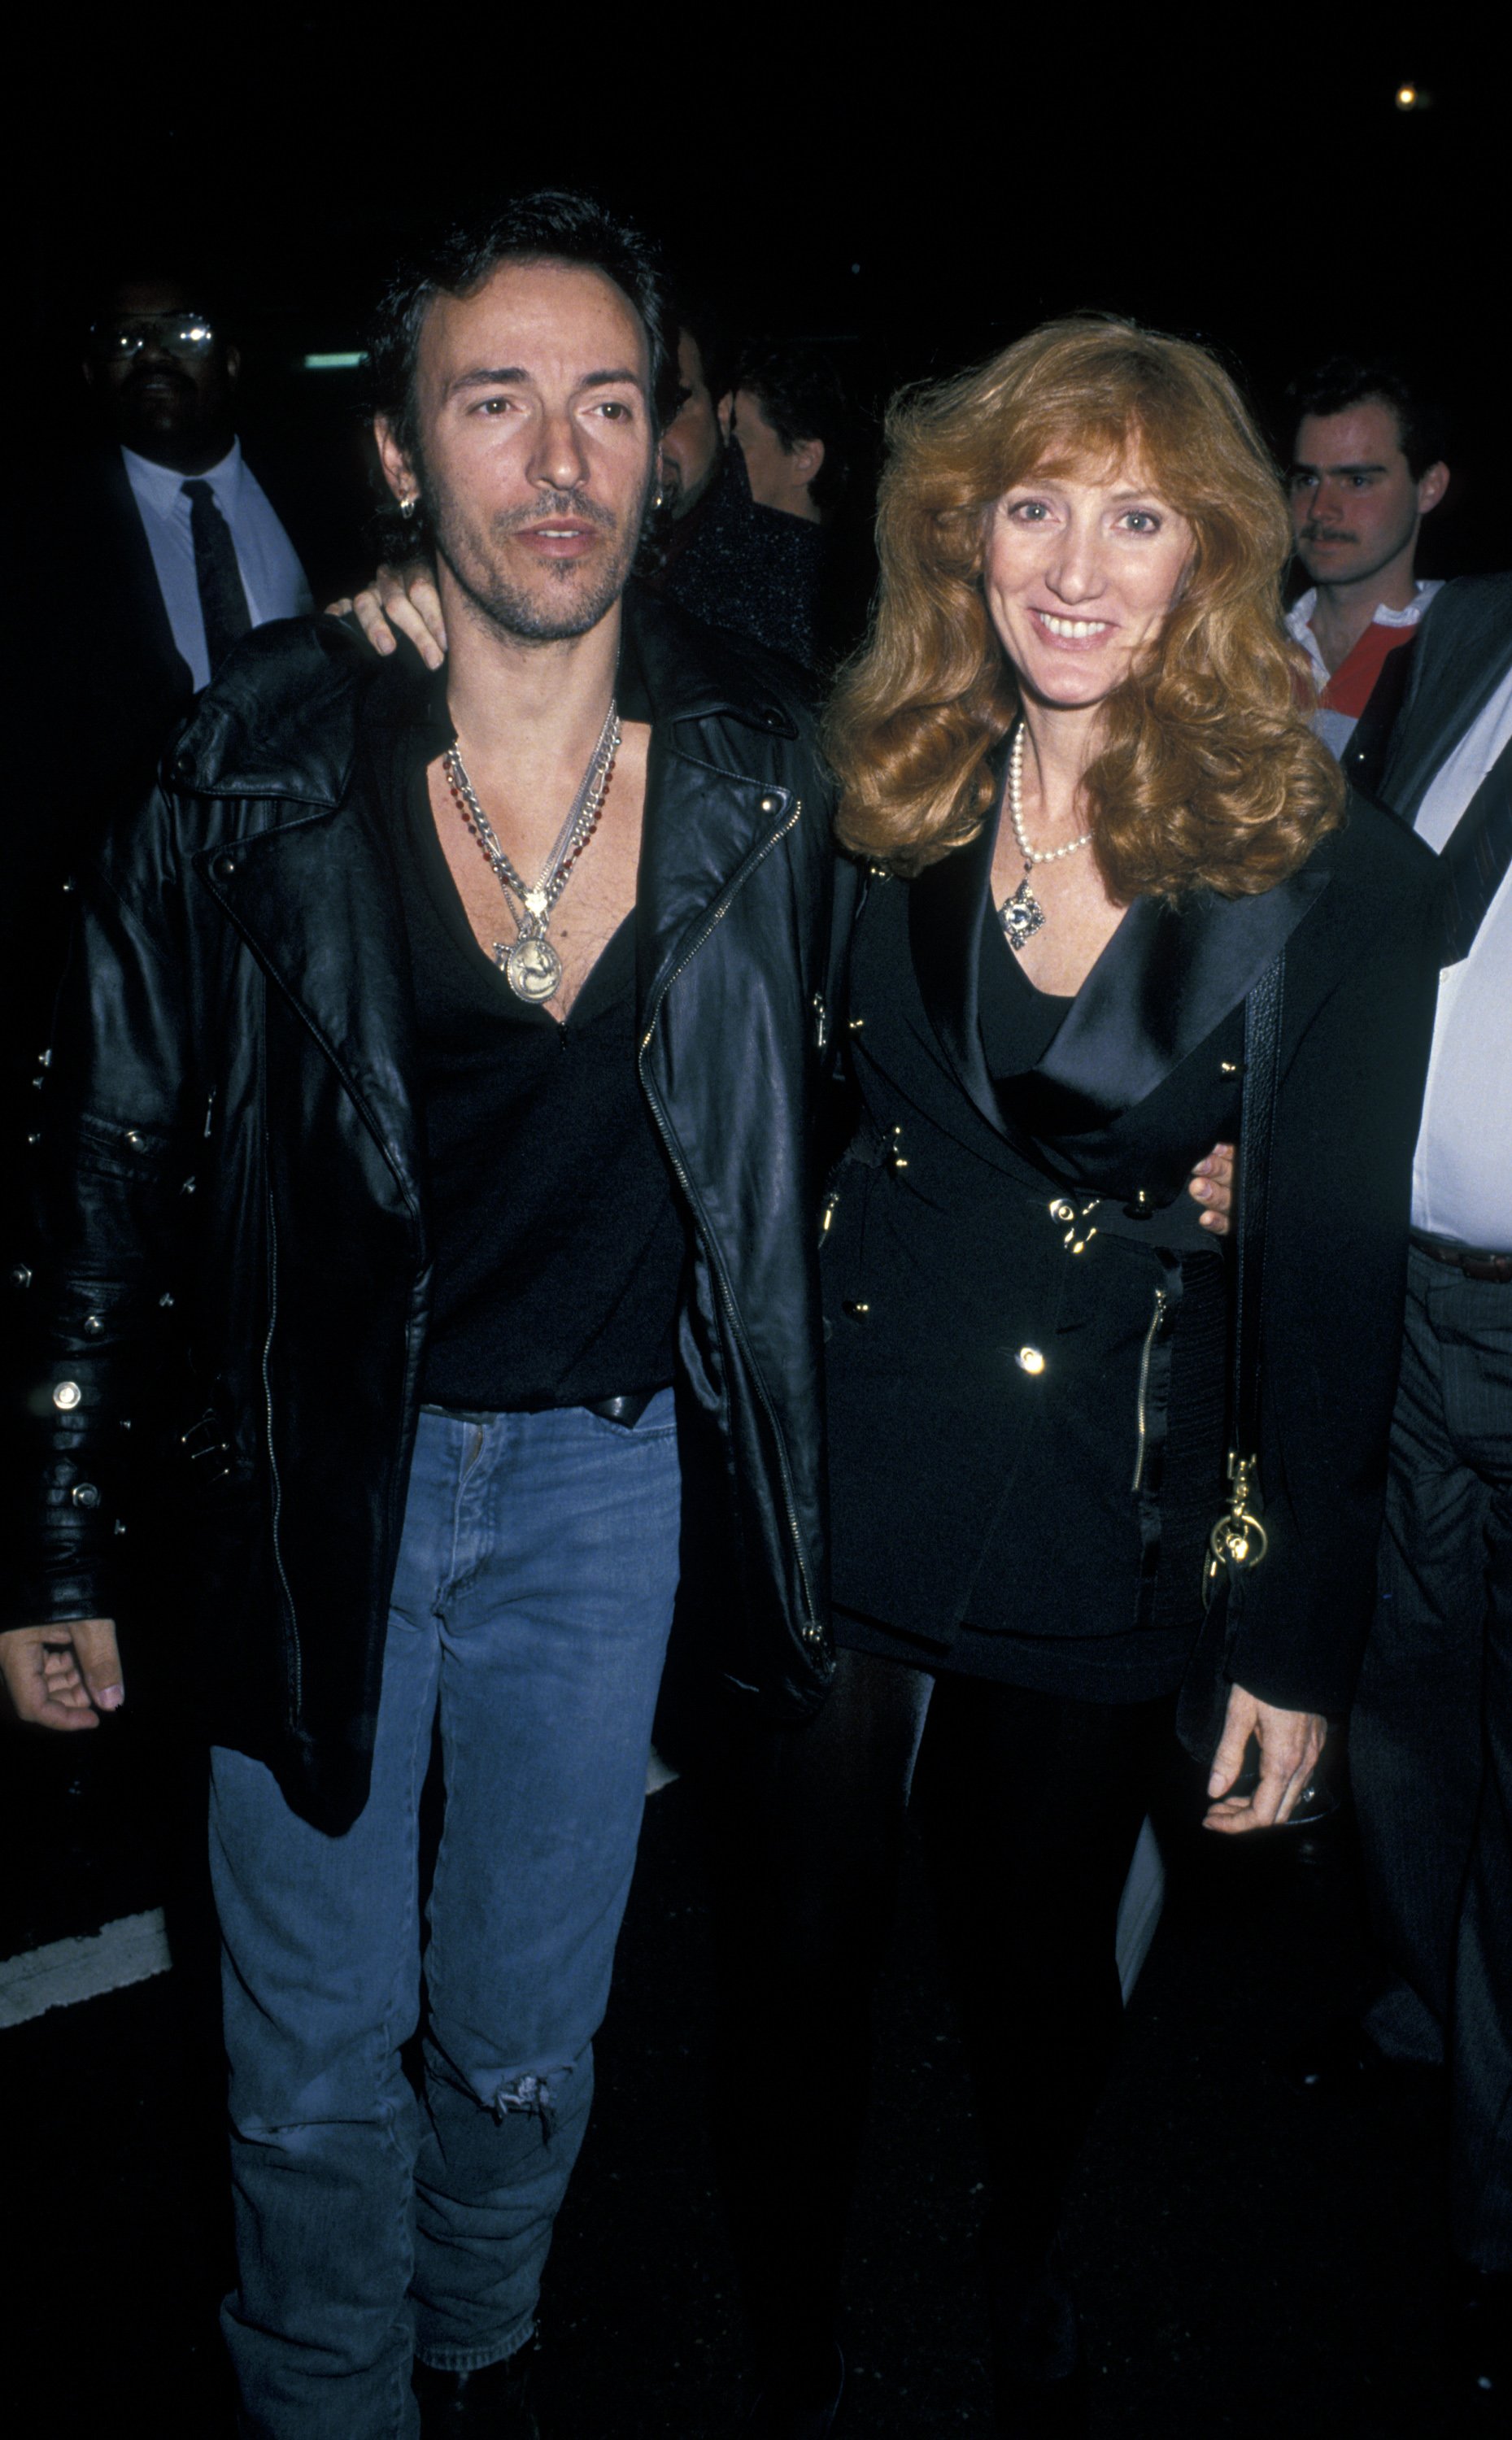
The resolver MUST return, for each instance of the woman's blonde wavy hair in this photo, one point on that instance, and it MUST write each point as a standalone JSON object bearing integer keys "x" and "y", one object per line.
{"x": 1209, "y": 775}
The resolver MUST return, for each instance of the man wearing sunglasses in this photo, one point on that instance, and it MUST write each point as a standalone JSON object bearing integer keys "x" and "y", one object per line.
{"x": 160, "y": 365}
{"x": 151, "y": 551}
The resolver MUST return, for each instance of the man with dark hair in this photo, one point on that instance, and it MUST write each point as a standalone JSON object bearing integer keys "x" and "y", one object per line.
{"x": 1367, "y": 466}
{"x": 786, "y": 409}
{"x": 693, "y": 443}
{"x": 433, "y": 993}
{"x": 711, "y": 547}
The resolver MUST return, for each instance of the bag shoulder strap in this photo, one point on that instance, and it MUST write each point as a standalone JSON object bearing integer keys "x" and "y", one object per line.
{"x": 1262, "y": 1067}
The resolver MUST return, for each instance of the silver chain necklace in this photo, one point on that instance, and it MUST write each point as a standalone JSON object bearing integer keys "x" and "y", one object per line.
{"x": 531, "y": 966}
{"x": 1022, "y": 915}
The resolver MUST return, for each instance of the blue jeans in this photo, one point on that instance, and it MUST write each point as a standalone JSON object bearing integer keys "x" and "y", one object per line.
{"x": 529, "y": 1615}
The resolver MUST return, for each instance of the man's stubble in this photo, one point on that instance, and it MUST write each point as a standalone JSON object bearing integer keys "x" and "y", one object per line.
{"x": 530, "y": 615}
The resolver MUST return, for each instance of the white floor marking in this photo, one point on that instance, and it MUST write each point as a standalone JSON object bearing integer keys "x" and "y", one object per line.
{"x": 68, "y": 1970}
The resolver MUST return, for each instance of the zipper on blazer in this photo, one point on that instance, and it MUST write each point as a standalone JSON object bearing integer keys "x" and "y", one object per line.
{"x": 1157, "y": 1318}
{"x": 813, "y": 1633}
{"x": 297, "y": 1666}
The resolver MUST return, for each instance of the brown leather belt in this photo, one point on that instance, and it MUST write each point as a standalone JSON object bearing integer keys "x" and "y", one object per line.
{"x": 1465, "y": 1259}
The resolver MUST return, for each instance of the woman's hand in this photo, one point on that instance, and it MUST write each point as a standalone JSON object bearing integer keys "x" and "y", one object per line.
{"x": 400, "y": 602}
{"x": 1290, "y": 1745}
{"x": 1211, "y": 1185}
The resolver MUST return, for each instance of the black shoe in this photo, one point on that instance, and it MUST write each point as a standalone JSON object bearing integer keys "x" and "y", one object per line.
{"x": 499, "y": 2401}
{"x": 801, "y": 2404}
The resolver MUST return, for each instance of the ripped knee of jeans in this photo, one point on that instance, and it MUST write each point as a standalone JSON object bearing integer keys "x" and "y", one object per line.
{"x": 530, "y": 2096}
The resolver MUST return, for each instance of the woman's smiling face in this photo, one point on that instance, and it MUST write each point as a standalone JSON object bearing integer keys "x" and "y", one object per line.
{"x": 1080, "y": 575}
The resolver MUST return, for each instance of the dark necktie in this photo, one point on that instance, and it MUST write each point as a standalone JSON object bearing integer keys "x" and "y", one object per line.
{"x": 1475, "y": 857}
{"x": 223, "y": 596}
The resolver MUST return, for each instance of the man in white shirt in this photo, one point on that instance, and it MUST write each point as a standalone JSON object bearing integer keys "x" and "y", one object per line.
{"x": 162, "y": 365}
{"x": 1367, "y": 466}
{"x": 1431, "y": 1731}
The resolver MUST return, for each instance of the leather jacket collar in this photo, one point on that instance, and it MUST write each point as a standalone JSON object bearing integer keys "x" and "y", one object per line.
{"x": 299, "y": 740}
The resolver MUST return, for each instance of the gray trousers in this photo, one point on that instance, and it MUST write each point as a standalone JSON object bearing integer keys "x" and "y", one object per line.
{"x": 1431, "y": 1741}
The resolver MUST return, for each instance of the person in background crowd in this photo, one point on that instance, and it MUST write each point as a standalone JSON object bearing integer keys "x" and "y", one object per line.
{"x": 1367, "y": 467}
{"x": 785, "y": 408}
{"x": 1430, "y": 1738}
{"x": 188, "y": 552}
{"x": 693, "y": 450}
{"x": 162, "y": 529}
{"x": 419, "y": 987}
{"x": 729, "y": 556}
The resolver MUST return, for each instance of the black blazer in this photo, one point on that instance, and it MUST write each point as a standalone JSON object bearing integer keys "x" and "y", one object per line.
{"x": 935, "y": 1423}
{"x": 1460, "y": 659}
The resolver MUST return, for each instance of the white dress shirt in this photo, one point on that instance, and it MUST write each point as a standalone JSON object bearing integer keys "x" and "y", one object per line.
{"x": 274, "y": 582}
{"x": 1336, "y": 728}
{"x": 1462, "y": 1176}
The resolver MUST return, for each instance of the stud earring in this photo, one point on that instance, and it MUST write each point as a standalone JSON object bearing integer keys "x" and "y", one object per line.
{"x": 408, "y": 506}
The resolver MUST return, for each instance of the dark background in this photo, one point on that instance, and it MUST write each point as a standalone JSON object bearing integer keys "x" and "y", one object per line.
{"x": 912, "y": 190}
{"x": 1246, "y": 178}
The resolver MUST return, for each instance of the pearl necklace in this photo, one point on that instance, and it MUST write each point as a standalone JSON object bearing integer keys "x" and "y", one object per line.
{"x": 1016, "y": 813}
{"x": 1021, "y": 916}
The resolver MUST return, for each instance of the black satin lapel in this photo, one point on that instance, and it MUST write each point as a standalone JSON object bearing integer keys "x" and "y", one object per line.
{"x": 946, "y": 907}
{"x": 1166, "y": 979}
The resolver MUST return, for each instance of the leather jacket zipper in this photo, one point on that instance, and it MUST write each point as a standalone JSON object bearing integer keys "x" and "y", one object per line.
{"x": 1157, "y": 1318}
{"x": 295, "y": 1658}
{"x": 813, "y": 1633}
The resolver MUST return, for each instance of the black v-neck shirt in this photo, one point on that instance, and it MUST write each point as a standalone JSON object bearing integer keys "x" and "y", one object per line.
{"x": 1019, "y": 1021}
{"x": 558, "y": 1243}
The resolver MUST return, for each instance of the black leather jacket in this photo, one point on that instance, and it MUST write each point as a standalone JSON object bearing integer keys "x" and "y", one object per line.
{"x": 232, "y": 1171}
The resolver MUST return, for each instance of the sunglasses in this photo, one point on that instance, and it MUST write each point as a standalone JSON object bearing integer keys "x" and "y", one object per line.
{"x": 182, "y": 334}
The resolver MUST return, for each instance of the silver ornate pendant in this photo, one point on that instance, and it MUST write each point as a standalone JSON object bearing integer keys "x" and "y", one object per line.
{"x": 531, "y": 968}
{"x": 1020, "y": 916}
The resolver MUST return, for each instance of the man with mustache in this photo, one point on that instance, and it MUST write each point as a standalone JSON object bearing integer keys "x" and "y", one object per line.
{"x": 481, "y": 1011}
{"x": 1366, "y": 469}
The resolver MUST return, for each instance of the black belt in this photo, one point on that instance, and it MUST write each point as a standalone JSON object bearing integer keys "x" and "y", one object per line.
{"x": 626, "y": 1410}
{"x": 1467, "y": 1258}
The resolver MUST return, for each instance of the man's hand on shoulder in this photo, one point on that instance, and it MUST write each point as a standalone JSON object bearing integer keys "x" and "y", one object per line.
{"x": 400, "y": 602}
{"x": 62, "y": 1676}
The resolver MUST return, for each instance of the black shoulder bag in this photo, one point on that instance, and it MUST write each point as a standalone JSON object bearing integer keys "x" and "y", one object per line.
{"x": 1237, "y": 1542}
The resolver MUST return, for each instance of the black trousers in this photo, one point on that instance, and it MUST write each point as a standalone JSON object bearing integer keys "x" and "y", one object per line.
{"x": 1431, "y": 1737}
{"x": 1029, "y": 1806}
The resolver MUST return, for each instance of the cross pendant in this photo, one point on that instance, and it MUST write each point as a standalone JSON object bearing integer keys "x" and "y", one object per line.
{"x": 1020, "y": 916}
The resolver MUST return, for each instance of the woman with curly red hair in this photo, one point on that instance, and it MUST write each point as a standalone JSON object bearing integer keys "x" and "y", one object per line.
{"x": 1105, "y": 866}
